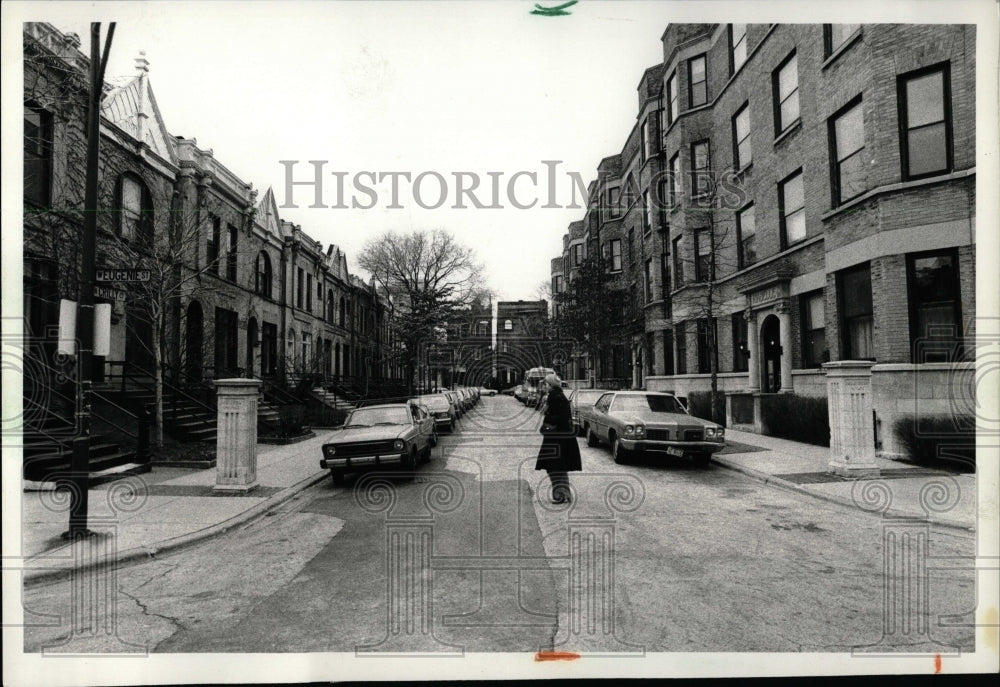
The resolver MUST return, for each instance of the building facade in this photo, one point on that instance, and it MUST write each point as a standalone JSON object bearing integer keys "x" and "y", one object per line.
{"x": 792, "y": 195}
{"x": 235, "y": 289}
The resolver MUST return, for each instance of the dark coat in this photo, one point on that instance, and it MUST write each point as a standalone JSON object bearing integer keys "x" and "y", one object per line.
{"x": 559, "y": 451}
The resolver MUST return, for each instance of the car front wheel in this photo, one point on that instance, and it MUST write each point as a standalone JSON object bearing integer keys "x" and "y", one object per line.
{"x": 592, "y": 439}
{"x": 410, "y": 462}
{"x": 702, "y": 460}
{"x": 619, "y": 452}
{"x": 338, "y": 477}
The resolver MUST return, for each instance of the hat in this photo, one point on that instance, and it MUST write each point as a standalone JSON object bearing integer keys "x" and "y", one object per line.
{"x": 553, "y": 381}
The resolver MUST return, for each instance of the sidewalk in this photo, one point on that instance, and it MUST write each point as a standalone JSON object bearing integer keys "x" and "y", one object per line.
{"x": 935, "y": 494}
{"x": 166, "y": 509}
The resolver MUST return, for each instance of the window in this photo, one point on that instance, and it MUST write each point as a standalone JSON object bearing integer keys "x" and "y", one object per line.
{"x": 306, "y": 341}
{"x": 697, "y": 81}
{"x": 835, "y": 35}
{"x": 331, "y": 307}
{"x": 785, "y": 82}
{"x": 264, "y": 275}
{"x": 300, "y": 287}
{"x": 647, "y": 217}
{"x": 672, "y": 102}
{"x": 681, "y": 338}
{"x": 746, "y": 235}
{"x": 577, "y": 255}
{"x": 631, "y": 246}
{"x": 847, "y": 143}
{"x": 309, "y": 292}
{"x": 678, "y": 265}
{"x": 231, "y": 253}
{"x": 792, "y": 209}
{"x": 675, "y": 180}
{"x": 134, "y": 217}
{"x": 925, "y": 122}
{"x": 214, "y": 239}
{"x": 857, "y": 322}
{"x": 342, "y": 312}
{"x": 814, "y": 351}
{"x": 703, "y": 255}
{"x": 701, "y": 175}
{"x": 742, "y": 151}
{"x": 37, "y": 156}
{"x": 737, "y": 46}
{"x": 933, "y": 291}
{"x": 741, "y": 348}
{"x": 616, "y": 254}
{"x": 268, "y": 348}
{"x": 649, "y": 134}
{"x": 644, "y": 139}
{"x": 614, "y": 201}
{"x": 707, "y": 353}
{"x": 557, "y": 284}
{"x": 508, "y": 325}
{"x": 649, "y": 280}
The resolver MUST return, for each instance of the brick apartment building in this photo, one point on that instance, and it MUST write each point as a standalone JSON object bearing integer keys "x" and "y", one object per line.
{"x": 800, "y": 194}
{"x": 526, "y": 339}
{"x": 261, "y": 297}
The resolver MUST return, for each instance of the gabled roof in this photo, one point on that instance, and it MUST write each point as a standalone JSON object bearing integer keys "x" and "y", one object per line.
{"x": 267, "y": 213}
{"x": 131, "y": 106}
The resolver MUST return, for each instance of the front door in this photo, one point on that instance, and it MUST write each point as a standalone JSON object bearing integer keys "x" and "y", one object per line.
{"x": 770, "y": 334}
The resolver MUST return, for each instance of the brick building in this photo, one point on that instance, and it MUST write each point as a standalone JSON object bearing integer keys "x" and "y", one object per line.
{"x": 252, "y": 294}
{"x": 797, "y": 194}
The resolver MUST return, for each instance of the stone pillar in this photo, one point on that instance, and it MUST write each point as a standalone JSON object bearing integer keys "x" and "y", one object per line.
{"x": 753, "y": 363}
{"x": 785, "y": 339}
{"x": 236, "y": 435}
{"x": 849, "y": 394}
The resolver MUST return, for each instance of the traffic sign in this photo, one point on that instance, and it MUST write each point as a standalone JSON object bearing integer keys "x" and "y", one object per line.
{"x": 108, "y": 293}
{"x": 114, "y": 275}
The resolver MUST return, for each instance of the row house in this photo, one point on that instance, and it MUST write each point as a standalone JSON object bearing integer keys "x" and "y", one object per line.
{"x": 248, "y": 293}
{"x": 798, "y": 194}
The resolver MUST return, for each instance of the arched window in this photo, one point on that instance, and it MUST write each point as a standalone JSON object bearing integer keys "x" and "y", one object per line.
{"x": 135, "y": 218}
{"x": 331, "y": 307}
{"x": 264, "y": 275}
{"x": 290, "y": 353}
{"x": 508, "y": 325}
{"x": 343, "y": 311}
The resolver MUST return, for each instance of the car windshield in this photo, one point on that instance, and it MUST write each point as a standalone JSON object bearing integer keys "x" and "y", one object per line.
{"x": 655, "y": 402}
{"x": 434, "y": 402}
{"x": 369, "y": 417}
{"x": 587, "y": 398}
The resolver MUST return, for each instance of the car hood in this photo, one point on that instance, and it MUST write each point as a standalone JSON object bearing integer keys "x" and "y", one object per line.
{"x": 649, "y": 417}
{"x": 368, "y": 434}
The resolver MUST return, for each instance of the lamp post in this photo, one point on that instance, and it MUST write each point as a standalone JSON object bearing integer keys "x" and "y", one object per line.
{"x": 80, "y": 463}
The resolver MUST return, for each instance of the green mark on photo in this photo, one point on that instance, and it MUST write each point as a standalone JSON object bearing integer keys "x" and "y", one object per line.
{"x": 556, "y": 11}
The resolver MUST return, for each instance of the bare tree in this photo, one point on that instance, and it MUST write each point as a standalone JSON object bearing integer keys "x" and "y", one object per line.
{"x": 429, "y": 275}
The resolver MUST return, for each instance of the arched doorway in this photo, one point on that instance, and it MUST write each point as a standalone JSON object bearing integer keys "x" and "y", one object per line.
{"x": 251, "y": 345}
{"x": 194, "y": 343}
{"x": 770, "y": 341}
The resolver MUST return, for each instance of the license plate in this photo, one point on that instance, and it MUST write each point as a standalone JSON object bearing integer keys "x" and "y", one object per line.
{"x": 675, "y": 451}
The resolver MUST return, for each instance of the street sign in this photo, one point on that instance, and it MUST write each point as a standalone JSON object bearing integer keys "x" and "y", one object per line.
{"x": 117, "y": 276}
{"x": 108, "y": 293}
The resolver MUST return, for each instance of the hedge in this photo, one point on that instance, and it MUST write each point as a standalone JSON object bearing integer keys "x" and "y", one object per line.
{"x": 938, "y": 438}
{"x": 700, "y": 405}
{"x": 799, "y": 418}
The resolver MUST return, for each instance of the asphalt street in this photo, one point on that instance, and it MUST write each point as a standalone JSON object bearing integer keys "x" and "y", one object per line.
{"x": 468, "y": 554}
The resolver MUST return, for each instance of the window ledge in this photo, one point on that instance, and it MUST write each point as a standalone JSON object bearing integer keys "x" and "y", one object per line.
{"x": 744, "y": 169}
{"x": 892, "y": 188}
{"x": 855, "y": 37}
{"x": 789, "y": 130}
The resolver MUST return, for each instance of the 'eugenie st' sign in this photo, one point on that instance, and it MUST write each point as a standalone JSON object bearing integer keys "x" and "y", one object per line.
{"x": 108, "y": 275}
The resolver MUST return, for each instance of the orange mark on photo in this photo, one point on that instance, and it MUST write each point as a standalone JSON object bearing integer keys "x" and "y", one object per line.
{"x": 937, "y": 664}
{"x": 556, "y": 656}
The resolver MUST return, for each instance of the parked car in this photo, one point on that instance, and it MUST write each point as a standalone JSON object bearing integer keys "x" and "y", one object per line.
{"x": 441, "y": 410}
{"x": 484, "y": 391}
{"x": 391, "y": 434}
{"x": 509, "y": 391}
{"x": 456, "y": 401}
{"x": 519, "y": 392}
{"x": 464, "y": 399}
{"x": 581, "y": 404}
{"x": 652, "y": 423}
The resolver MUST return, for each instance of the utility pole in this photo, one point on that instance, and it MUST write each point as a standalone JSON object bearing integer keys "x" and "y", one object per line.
{"x": 80, "y": 464}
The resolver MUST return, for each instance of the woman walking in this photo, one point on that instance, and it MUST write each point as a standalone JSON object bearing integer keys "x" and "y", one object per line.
{"x": 559, "y": 454}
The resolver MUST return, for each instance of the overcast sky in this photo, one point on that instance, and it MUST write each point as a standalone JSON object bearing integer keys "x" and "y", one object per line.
{"x": 404, "y": 87}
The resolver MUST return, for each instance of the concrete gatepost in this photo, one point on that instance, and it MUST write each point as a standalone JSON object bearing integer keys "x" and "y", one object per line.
{"x": 852, "y": 429}
{"x": 236, "y": 436}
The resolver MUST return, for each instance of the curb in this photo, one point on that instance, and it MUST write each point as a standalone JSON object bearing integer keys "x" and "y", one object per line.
{"x": 34, "y": 577}
{"x": 771, "y": 480}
